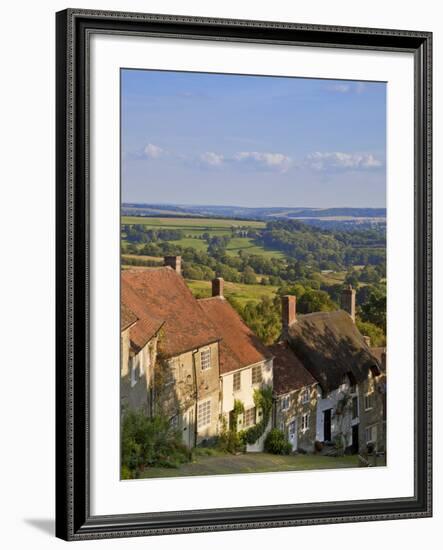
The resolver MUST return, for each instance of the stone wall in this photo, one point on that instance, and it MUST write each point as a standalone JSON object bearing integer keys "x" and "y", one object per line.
{"x": 291, "y": 407}
{"x": 373, "y": 418}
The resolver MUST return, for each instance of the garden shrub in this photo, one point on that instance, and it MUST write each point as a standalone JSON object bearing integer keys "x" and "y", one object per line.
{"x": 149, "y": 442}
{"x": 276, "y": 443}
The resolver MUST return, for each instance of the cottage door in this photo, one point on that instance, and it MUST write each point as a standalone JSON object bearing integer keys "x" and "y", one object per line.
{"x": 327, "y": 425}
{"x": 355, "y": 438}
{"x": 292, "y": 434}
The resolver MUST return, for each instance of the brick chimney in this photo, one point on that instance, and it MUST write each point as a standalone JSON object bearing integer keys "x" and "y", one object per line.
{"x": 217, "y": 286}
{"x": 175, "y": 262}
{"x": 347, "y": 301}
{"x": 288, "y": 312}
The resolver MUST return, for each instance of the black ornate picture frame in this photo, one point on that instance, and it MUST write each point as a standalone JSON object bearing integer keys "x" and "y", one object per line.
{"x": 74, "y": 29}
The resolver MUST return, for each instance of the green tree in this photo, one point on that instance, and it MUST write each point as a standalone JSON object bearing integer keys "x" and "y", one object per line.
{"x": 374, "y": 311}
{"x": 375, "y": 333}
{"x": 263, "y": 318}
{"x": 248, "y": 276}
{"x": 315, "y": 300}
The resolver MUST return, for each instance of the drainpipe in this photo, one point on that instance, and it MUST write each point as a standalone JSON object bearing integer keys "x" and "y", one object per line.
{"x": 194, "y": 368}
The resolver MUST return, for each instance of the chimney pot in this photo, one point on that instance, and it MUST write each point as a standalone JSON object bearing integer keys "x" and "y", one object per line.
{"x": 175, "y": 262}
{"x": 347, "y": 302}
{"x": 288, "y": 312}
{"x": 217, "y": 286}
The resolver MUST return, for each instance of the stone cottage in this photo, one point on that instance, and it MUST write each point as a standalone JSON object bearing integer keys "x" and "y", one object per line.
{"x": 374, "y": 406}
{"x": 331, "y": 348}
{"x": 245, "y": 363}
{"x": 295, "y": 398}
{"x": 139, "y": 338}
{"x": 186, "y": 381}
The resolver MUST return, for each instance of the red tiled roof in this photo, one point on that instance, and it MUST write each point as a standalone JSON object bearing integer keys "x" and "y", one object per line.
{"x": 239, "y": 346}
{"x": 127, "y": 317}
{"x": 289, "y": 372}
{"x": 164, "y": 294}
{"x": 146, "y": 325}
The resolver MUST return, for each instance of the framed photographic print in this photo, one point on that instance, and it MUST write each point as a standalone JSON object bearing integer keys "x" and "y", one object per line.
{"x": 243, "y": 274}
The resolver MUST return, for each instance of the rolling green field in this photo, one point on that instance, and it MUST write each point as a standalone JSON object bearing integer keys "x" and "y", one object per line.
{"x": 241, "y": 292}
{"x": 247, "y": 245}
{"x": 194, "y": 228}
{"x": 201, "y": 224}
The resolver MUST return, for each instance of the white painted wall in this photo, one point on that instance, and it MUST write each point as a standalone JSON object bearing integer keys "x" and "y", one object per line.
{"x": 338, "y": 424}
{"x": 246, "y": 392}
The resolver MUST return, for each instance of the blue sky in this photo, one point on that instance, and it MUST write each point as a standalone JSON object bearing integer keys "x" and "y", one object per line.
{"x": 199, "y": 138}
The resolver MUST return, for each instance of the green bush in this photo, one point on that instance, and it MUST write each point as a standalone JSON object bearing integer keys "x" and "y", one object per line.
{"x": 263, "y": 403}
{"x": 229, "y": 440}
{"x": 149, "y": 442}
{"x": 276, "y": 443}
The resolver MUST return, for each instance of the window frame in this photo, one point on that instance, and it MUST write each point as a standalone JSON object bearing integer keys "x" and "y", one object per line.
{"x": 133, "y": 372}
{"x": 373, "y": 439}
{"x": 285, "y": 402}
{"x": 369, "y": 399}
{"x": 236, "y": 374}
{"x": 201, "y": 404}
{"x": 207, "y": 353}
{"x": 245, "y": 417}
{"x": 305, "y": 396}
{"x": 305, "y": 421}
{"x": 256, "y": 368}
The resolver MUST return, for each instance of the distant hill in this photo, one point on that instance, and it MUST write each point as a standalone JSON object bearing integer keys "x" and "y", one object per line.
{"x": 344, "y": 214}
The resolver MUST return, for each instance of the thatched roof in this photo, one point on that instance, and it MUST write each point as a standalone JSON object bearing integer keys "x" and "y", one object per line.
{"x": 330, "y": 346}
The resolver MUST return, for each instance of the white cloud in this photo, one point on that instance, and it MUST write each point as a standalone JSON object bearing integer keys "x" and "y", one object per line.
{"x": 341, "y": 161}
{"x": 153, "y": 151}
{"x": 360, "y": 87}
{"x": 268, "y": 160}
{"x": 212, "y": 159}
{"x": 340, "y": 87}
{"x": 346, "y": 87}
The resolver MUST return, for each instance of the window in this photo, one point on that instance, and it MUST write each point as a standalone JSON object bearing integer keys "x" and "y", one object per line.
{"x": 305, "y": 395}
{"x": 355, "y": 407}
{"x": 250, "y": 417}
{"x": 205, "y": 359}
{"x": 305, "y": 422}
{"x": 204, "y": 414}
{"x": 285, "y": 403}
{"x": 256, "y": 375}
{"x": 371, "y": 434}
{"x": 237, "y": 381}
{"x": 369, "y": 401}
{"x": 353, "y": 388}
{"x": 133, "y": 366}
